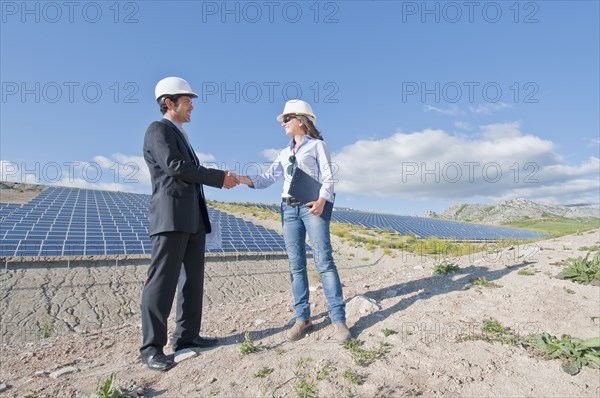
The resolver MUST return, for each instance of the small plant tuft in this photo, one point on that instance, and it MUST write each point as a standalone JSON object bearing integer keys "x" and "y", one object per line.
{"x": 353, "y": 377}
{"x": 305, "y": 389}
{"x": 493, "y": 331}
{"x": 46, "y": 329}
{"x": 388, "y": 332}
{"x": 248, "y": 347}
{"x": 595, "y": 248}
{"x": 445, "y": 267}
{"x": 529, "y": 271}
{"x": 263, "y": 372}
{"x": 364, "y": 357}
{"x": 303, "y": 362}
{"x": 482, "y": 281}
{"x": 108, "y": 389}
{"x": 324, "y": 372}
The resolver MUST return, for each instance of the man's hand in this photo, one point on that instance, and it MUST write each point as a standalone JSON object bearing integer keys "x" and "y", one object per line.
{"x": 231, "y": 180}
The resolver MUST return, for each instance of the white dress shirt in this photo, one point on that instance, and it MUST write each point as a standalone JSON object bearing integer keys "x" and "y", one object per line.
{"x": 312, "y": 156}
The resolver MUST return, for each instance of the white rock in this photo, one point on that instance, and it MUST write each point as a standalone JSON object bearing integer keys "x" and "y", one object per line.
{"x": 314, "y": 288}
{"x": 361, "y": 305}
{"x": 63, "y": 371}
{"x": 3, "y": 387}
{"x": 184, "y": 354}
{"x": 259, "y": 322}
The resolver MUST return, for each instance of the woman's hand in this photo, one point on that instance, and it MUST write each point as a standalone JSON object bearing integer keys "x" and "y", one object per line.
{"x": 245, "y": 180}
{"x": 316, "y": 207}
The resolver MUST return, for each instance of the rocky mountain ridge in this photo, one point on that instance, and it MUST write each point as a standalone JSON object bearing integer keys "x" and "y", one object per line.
{"x": 517, "y": 210}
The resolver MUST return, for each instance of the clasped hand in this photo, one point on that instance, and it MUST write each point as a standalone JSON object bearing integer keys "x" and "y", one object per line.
{"x": 233, "y": 180}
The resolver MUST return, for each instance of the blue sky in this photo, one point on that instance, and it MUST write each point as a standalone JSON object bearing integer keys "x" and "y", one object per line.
{"x": 423, "y": 104}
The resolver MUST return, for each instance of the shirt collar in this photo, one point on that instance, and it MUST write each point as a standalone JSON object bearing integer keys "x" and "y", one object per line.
{"x": 306, "y": 139}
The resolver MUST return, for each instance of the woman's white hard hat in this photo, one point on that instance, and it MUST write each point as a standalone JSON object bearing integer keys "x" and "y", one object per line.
{"x": 297, "y": 107}
{"x": 173, "y": 86}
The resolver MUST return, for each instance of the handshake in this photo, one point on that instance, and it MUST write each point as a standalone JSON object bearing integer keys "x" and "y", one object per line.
{"x": 233, "y": 180}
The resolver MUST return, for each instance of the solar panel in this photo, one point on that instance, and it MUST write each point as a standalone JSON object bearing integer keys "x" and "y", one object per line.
{"x": 422, "y": 227}
{"x": 74, "y": 222}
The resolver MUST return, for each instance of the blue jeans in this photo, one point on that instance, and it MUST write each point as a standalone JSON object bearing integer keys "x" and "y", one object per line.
{"x": 297, "y": 221}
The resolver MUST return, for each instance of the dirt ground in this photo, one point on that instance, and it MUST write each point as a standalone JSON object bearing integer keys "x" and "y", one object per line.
{"x": 89, "y": 313}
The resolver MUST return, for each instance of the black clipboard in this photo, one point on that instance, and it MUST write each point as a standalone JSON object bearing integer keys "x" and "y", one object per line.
{"x": 306, "y": 189}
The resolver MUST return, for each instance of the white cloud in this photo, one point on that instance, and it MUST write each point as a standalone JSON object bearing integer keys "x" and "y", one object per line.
{"x": 203, "y": 157}
{"x": 117, "y": 172}
{"x": 104, "y": 186}
{"x": 19, "y": 172}
{"x": 452, "y": 110}
{"x": 462, "y": 125}
{"x": 488, "y": 108}
{"x": 270, "y": 154}
{"x": 433, "y": 164}
{"x": 501, "y": 131}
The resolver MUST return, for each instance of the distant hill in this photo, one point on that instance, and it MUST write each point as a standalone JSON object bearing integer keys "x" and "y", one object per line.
{"x": 517, "y": 210}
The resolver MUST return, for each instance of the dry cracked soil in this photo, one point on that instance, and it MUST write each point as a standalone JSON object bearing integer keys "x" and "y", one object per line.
{"x": 81, "y": 319}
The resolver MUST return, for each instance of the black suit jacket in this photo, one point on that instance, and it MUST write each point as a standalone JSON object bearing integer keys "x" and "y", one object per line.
{"x": 177, "y": 202}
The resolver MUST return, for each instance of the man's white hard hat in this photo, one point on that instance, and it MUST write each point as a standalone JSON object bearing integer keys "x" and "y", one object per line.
{"x": 173, "y": 86}
{"x": 297, "y": 107}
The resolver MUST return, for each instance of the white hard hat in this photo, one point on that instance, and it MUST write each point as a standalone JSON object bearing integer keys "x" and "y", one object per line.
{"x": 173, "y": 86}
{"x": 297, "y": 107}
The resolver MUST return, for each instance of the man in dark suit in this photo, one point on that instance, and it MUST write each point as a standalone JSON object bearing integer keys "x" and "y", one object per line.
{"x": 178, "y": 226}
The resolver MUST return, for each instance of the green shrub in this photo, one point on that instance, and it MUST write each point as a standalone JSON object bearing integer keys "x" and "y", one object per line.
{"x": 582, "y": 270}
{"x": 575, "y": 352}
{"x": 445, "y": 267}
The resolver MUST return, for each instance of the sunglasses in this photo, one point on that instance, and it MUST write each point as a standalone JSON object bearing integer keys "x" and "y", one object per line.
{"x": 287, "y": 118}
{"x": 292, "y": 166}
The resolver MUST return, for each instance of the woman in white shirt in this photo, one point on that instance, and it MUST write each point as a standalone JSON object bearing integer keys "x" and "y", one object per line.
{"x": 306, "y": 151}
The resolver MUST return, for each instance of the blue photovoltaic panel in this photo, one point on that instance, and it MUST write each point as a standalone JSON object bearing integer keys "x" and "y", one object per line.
{"x": 423, "y": 227}
{"x": 76, "y": 222}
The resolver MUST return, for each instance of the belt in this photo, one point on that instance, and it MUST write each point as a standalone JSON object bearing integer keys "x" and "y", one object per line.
{"x": 291, "y": 201}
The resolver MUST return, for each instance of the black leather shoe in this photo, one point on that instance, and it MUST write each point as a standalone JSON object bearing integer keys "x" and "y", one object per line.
{"x": 158, "y": 362}
{"x": 198, "y": 342}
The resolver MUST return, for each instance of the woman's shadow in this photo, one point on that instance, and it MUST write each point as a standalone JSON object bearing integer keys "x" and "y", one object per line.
{"x": 425, "y": 288}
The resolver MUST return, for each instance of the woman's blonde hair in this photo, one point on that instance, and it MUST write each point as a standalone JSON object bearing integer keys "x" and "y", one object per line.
{"x": 309, "y": 127}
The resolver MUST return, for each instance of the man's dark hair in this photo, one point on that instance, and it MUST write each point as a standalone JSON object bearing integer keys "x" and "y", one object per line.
{"x": 162, "y": 102}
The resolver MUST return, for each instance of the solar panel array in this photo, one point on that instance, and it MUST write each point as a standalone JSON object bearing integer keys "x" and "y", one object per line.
{"x": 423, "y": 227}
{"x": 64, "y": 221}
{"x": 81, "y": 222}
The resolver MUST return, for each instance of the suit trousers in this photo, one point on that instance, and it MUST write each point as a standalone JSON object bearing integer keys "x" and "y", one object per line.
{"x": 166, "y": 276}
